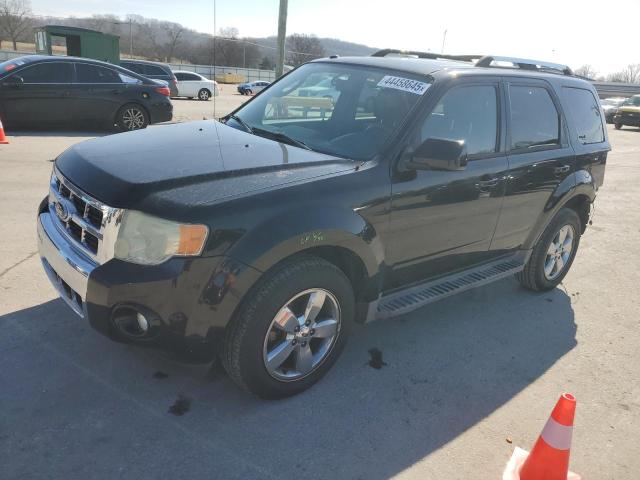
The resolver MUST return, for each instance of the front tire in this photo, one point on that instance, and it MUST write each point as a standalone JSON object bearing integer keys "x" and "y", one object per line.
{"x": 554, "y": 253}
{"x": 290, "y": 329}
{"x": 618, "y": 126}
{"x": 132, "y": 117}
{"x": 204, "y": 95}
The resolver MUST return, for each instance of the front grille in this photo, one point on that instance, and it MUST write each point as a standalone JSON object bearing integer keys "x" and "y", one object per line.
{"x": 78, "y": 215}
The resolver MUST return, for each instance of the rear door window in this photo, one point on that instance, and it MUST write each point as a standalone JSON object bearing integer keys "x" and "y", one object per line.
{"x": 134, "y": 67}
{"x": 584, "y": 111}
{"x": 155, "y": 71}
{"x": 96, "y": 74}
{"x": 48, "y": 72}
{"x": 535, "y": 121}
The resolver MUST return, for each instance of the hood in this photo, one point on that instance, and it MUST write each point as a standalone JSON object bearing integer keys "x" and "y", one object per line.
{"x": 203, "y": 162}
{"x": 629, "y": 108}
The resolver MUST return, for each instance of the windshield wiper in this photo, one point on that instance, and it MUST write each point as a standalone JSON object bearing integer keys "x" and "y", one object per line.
{"x": 244, "y": 124}
{"x": 281, "y": 137}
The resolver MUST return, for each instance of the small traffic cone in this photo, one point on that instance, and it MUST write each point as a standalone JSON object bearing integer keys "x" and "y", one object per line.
{"x": 549, "y": 459}
{"x": 3, "y": 138}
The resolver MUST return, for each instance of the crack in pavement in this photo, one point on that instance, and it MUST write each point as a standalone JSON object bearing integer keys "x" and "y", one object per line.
{"x": 8, "y": 269}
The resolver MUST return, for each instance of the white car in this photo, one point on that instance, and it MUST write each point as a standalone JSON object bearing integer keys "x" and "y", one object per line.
{"x": 193, "y": 85}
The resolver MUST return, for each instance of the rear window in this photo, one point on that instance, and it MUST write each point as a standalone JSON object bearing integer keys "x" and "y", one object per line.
{"x": 584, "y": 112}
{"x": 535, "y": 122}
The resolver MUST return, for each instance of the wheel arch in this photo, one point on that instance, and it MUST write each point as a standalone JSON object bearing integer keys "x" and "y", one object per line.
{"x": 340, "y": 236}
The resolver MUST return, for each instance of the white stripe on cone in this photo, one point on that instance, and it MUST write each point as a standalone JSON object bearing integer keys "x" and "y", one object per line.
{"x": 556, "y": 435}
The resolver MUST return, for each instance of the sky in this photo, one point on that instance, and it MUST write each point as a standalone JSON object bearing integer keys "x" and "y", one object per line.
{"x": 564, "y": 31}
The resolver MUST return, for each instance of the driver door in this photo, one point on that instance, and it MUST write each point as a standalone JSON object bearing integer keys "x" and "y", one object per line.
{"x": 443, "y": 221}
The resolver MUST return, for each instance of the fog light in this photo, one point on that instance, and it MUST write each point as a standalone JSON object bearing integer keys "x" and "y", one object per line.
{"x": 143, "y": 324}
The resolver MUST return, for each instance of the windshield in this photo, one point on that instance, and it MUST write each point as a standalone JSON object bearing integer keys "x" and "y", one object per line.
{"x": 7, "y": 67}
{"x": 635, "y": 101}
{"x": 339, "y": 109}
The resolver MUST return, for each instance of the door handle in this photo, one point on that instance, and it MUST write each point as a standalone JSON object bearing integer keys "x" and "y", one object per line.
{"x": 490, "y": 183}
{"x": 562, "y": 169}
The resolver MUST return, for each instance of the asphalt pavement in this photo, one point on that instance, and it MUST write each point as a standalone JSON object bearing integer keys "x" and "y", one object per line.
{"x": 459, "y": 383}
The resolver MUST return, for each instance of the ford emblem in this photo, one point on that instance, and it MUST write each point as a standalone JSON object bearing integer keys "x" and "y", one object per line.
{"x": 61, "y": 211}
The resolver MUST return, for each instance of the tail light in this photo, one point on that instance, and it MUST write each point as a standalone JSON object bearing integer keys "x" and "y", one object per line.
{"x": 163, "y": 91}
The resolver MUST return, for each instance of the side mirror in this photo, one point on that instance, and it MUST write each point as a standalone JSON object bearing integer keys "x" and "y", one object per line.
{"x": 439, "y": 154}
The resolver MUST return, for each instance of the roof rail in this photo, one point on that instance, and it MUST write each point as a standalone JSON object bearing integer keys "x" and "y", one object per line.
{"x": 433, "y": 56}
{"x": 524, "y": 64}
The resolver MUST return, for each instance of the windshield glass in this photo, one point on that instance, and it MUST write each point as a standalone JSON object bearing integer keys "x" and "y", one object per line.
{"x": 635, "y": 101}
{"x": 7, "y": 67}
{"x": 339, "y": 109}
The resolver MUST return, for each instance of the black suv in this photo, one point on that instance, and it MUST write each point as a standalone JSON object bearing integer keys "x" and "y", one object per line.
{"x": 53, "y": 91}
{"x": 416, "y": 179}
{"x": 154, "y": 71}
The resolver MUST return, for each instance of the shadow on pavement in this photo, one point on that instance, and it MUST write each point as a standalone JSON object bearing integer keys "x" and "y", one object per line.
{"x": 75, "y": 405}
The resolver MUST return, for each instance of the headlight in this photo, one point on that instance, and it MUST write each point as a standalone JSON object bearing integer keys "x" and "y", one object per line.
{"x": 150, "y": 240}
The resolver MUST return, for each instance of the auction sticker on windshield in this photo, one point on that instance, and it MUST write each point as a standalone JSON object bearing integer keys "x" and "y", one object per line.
{"x": 404, "y": 84}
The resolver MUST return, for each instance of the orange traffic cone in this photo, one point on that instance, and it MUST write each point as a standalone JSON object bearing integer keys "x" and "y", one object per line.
{"x": 3, "y": 139}
{"x": 549, "y": 459}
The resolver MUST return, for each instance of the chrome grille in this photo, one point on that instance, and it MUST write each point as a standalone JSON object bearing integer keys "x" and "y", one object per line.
{"x": 82, "y": 218}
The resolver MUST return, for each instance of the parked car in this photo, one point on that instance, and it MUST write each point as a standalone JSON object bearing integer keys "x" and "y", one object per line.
{"x": 153, "y": 70}
{"x": 275, "y": 232}
{"x": 192, "y": 85}
{"x": 252, "y": 87}
{"x": 52, "y": 91}
{"x": 610, "y": 107}
{"x": 628, "y": 113}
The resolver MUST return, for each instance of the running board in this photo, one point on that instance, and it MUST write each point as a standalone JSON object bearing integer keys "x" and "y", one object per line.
{"x": 410, "y": 299}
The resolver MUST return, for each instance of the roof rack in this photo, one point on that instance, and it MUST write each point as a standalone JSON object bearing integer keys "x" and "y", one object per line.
{"x": 432, "y": 56}
{"x": 524, "y": 64}
{"x": 487, "y": 61}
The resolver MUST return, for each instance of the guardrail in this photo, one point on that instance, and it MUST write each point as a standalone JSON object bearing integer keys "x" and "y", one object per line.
{"x": 614, "y": 89}
{"x": 209, "y": 71}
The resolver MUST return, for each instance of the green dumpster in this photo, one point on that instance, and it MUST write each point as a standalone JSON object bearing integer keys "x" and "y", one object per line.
{"x": 81, "y": 42}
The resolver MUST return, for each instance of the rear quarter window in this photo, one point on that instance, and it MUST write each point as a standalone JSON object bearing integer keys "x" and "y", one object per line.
{"x": 157, "y": 71}
{"x": 584, "y": 113}
{"x": 535, "y": 121}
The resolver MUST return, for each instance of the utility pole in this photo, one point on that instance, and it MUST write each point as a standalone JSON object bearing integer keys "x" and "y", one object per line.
{"x": 130, "y": 37}
{"x": 282, "y": 36}
{"x": 444, "y": 37}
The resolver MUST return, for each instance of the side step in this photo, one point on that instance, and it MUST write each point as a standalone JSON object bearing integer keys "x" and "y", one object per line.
{"x": 404, "y": 301}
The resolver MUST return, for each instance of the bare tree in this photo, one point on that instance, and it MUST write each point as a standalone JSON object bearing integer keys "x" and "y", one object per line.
{"x": 586, "y": 71}
{"x": 302, "y": 48}
{"x": 630, "y": 74}
{"x": 15, "y": 19}
{"x": 174, "y": 31}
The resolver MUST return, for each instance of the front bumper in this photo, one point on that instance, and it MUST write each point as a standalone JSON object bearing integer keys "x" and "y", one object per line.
{"x": 187, "y": 301}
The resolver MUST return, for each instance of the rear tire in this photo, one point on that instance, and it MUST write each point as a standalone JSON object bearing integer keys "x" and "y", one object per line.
{"x": 132, "y": 117}
{"x": 618, "y": 126}
{"x": 554, "y": 253}
{"x": 278, "y": 359}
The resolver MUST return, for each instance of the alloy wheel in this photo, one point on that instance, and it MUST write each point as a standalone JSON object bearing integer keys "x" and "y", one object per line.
{"x": 204, "y": 95}
{"x": 559, "y": 252}
{"x": 301, "y": 335}
{"x": 133, "y": 119}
